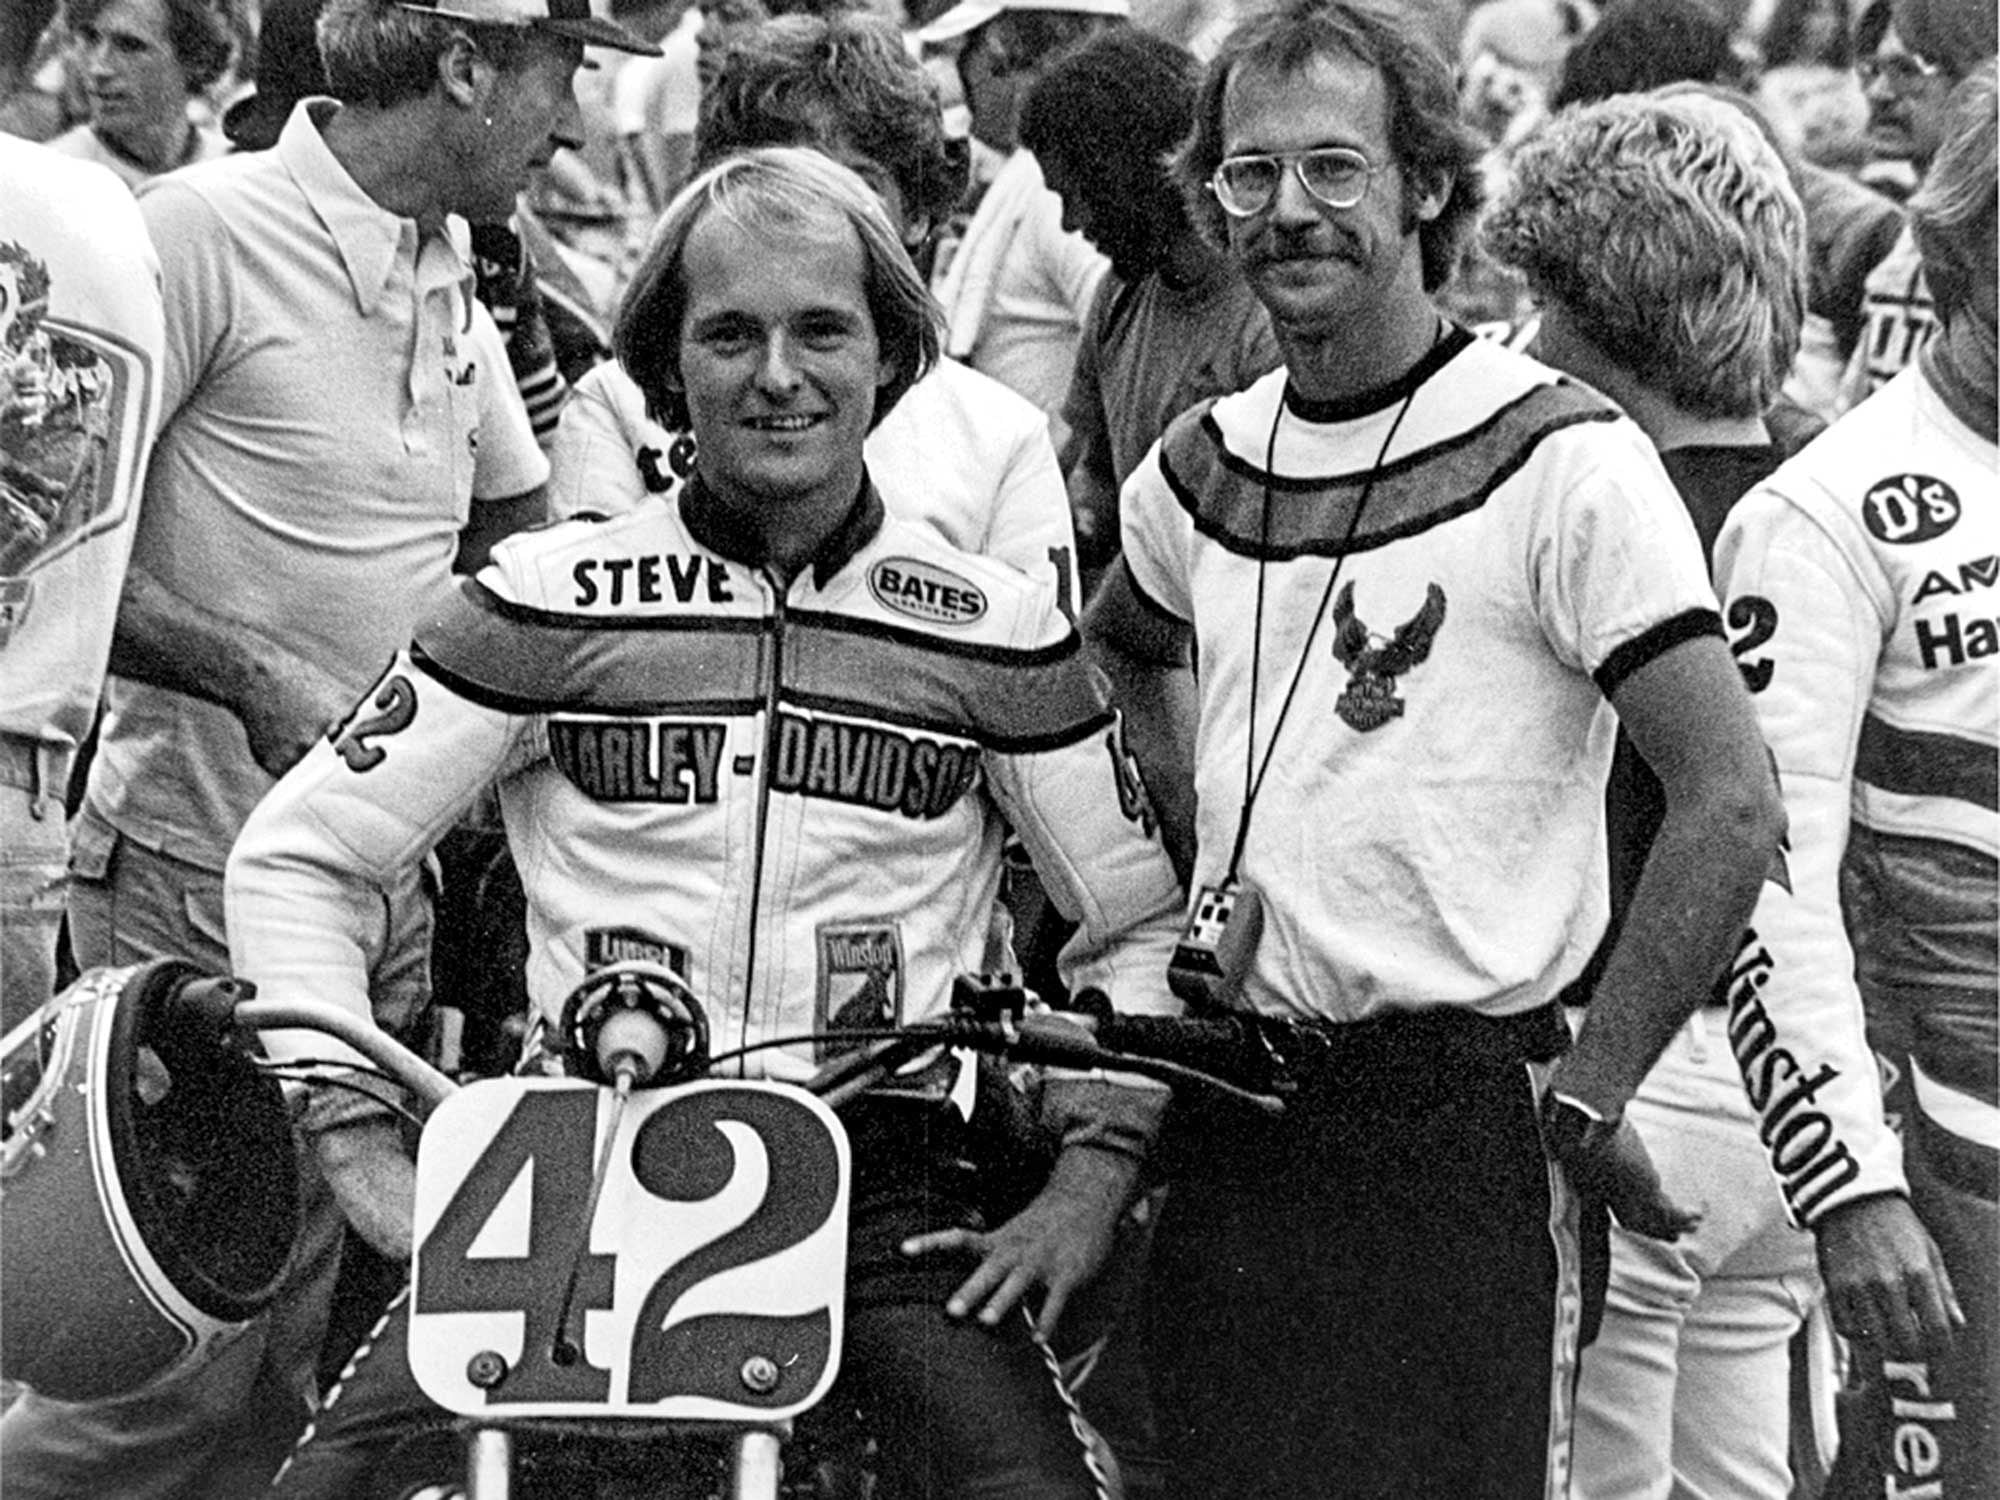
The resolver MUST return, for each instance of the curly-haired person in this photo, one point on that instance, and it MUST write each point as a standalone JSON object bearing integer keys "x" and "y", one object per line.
{"x": 1666, "y": 248}
{"x": 1858, "y": 580}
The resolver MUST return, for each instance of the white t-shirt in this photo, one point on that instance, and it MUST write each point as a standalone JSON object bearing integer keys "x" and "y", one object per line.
{"x": 80, "y": 350}
{"x": 1018, "y": 289}
{"x": 1455, "y": 573}
{"x": 662, "y": 93}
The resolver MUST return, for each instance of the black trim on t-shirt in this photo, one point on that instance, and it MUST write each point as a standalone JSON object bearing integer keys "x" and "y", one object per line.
{"x": 1347, "y": 408}
{"x": 1649, "y": 645}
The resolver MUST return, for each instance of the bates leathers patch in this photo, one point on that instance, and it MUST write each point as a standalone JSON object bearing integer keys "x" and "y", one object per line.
{"x": 925, "y": 592}
{"x": 860, "y": 978}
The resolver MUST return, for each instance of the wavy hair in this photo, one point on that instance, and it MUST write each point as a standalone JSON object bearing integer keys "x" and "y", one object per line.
{"x": 770, "y": 191}
{"x": 789, "y": 81}
{"x": 1667, "y": 226}
{"x": 1424, "y": 122}
{"x": 1959, "y": 193}
{"x": 200, "y": 33}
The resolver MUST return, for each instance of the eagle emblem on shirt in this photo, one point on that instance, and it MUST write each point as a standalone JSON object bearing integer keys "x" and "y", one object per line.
{"x": 1374, "y": 662}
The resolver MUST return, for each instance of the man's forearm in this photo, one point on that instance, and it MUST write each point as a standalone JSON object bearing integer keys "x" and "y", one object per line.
{"x": 1160, "y": 709}
{"x": 283, "y": 699}
{"x": 1687, "y": 917}
{"x": 166, "y": 641}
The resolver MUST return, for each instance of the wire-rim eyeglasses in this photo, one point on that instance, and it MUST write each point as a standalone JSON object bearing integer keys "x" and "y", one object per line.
{"x": 1336, "y": 176}
{"x": 1901, "y": 69}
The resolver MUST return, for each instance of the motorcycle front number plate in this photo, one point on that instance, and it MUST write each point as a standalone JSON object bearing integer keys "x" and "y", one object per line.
{"x": 707, "y": 1286}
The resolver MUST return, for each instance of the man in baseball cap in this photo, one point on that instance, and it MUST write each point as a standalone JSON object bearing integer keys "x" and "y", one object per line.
{"x": 288, "y": 65}
{"x": 273, "y": 574}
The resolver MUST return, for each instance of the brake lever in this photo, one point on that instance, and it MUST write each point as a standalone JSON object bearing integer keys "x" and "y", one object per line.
{"x": 852, "y": 1073}
{"x": 1061, "y": 1039}
{"x": 1177, "y": 1075}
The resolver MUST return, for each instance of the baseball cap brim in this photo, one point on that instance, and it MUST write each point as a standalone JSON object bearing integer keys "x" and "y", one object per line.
{"x": 578, "y": 24}
{"x": 970, "y": 15}
{"x": 596, "y": 31}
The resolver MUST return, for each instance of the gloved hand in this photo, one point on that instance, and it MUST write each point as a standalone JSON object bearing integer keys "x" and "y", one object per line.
{"x": 503, "y": 278}
{"x": 502, "y": 271}
{"x": 1606, "y": 1159}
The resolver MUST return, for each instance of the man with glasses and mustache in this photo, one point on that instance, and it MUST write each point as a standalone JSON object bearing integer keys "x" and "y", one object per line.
{"x": 1420, "y": 572}
{"x": 1909, "y": 54}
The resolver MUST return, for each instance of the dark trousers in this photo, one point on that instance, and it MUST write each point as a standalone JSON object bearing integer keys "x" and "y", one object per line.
{"x": 1379, "y": 1294}
{"x": 1925, "y": 919}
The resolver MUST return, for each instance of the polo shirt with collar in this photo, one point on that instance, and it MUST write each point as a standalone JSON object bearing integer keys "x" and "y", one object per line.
{"x": 334, "y": 400}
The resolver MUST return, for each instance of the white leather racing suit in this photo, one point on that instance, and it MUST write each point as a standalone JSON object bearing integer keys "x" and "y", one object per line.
{"x": 793, "y": 797}
{"x": 1861, "y": 583}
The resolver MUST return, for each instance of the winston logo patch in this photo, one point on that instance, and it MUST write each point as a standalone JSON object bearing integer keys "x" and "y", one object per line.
{"x": 860, "y": 977}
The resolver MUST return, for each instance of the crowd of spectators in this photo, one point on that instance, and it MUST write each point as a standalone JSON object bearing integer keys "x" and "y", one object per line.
{"x": 148, "y": 84}
{"x": 1630, "y": 361}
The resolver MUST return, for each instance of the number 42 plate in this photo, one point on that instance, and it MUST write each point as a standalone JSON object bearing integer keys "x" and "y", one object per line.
{"x": 708, "y": 1285}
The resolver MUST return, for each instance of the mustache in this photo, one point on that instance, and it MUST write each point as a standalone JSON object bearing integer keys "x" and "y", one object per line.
{"x": 1285, "y": 242}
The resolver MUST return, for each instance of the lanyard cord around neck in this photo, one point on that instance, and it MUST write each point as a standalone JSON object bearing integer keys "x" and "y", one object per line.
{"x": 1253, "y": 770}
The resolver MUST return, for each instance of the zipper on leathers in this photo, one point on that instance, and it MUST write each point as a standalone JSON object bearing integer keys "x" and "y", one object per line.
{"x": 764, "y": 772}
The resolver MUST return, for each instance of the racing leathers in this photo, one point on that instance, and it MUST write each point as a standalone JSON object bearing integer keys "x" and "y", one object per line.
{"x": 1860, "y": 586}
{"x": 790, "y": 794}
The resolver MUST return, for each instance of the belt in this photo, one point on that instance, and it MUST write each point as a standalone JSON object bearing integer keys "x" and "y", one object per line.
{"x": 1422, "y": 1036}
{"x": 38, "y": 767}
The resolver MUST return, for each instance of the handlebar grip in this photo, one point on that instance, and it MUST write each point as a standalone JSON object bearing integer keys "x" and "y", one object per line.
{"x": 1236, "y": 1048}
{"x": 200, "y": 1007}
{"x": 1056, "y": 1040}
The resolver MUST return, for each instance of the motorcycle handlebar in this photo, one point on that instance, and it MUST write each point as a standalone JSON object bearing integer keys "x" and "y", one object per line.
{"x": 1242, "y": 1056}
{"x": 210, "y": 1011}
{"x": 1233, "y": 1055}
